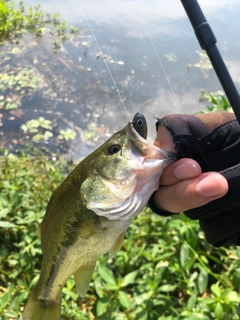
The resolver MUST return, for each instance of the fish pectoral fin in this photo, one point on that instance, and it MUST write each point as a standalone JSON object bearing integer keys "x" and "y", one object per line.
{"x": 116, "y": 246}
{"x": 83, "y": 276}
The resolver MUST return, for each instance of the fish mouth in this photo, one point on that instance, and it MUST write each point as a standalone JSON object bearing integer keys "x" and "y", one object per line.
{"x": 138, "y": 138}
{"x": 139, "y": 123}
{"x": 137, "y": 134}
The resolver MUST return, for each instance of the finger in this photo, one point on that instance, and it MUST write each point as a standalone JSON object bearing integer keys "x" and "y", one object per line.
{"x": 192, "y": 193}
{"x": 164, "y": 139}
{"x": 183, "y": 169}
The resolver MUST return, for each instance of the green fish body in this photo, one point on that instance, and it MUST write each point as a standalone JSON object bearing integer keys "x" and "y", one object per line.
{"x": 89, "y": 212}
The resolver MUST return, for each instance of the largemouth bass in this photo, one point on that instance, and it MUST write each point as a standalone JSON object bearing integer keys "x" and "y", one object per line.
{"x": 89, "y": 212}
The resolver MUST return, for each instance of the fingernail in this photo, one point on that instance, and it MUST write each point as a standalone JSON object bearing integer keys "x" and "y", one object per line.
{"x": 186, "y": 170}
{"x": 211, "y": 186}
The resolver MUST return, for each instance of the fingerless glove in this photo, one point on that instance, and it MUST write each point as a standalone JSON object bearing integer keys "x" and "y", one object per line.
{"x": 213, "y": 140}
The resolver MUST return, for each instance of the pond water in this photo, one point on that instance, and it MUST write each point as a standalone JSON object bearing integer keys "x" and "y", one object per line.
{"x": 147, "y": 47}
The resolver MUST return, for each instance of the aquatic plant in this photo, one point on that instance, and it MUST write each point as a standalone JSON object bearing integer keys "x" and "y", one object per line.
{"x": 15, "y": 21}
{"x": 204, "y": 64}
{"x": 16, "y": 83}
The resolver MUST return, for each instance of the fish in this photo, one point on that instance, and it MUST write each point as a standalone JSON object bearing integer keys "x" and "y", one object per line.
{"x": 88, "y": 214}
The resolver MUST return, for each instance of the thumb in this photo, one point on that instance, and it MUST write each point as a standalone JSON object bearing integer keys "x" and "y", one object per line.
{"x": 191, "y": 193}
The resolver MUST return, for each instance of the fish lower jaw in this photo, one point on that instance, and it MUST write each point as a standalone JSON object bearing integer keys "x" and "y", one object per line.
{"x": 151, "y": 167}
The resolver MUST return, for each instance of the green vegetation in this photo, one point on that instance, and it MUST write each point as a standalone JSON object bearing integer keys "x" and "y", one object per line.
{"x": 204, "y": 64}
{"x": 165, "y": 270}
{"x": 42, "y": 129}
{"x": 217, "y": 101}
{"x": 26, "y": 183}
{"x": 21, "y": 77}
{"x": 171, "y": 57}
{"x": 15, "y": 84}
{"x": 17, "y": 21}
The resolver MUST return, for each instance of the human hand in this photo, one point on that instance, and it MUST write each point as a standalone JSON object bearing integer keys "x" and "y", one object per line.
{"x": 205, "y": 181}
{"x": 183, "y": 185}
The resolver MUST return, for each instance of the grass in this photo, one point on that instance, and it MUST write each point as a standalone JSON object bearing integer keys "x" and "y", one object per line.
{"x": 165, "y": 270}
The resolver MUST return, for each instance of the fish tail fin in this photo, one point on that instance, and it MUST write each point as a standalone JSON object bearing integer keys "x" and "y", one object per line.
{"x": 41, "y": 310}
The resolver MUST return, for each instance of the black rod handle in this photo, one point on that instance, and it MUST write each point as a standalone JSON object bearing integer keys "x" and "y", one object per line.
{"x": 208, "y": 42}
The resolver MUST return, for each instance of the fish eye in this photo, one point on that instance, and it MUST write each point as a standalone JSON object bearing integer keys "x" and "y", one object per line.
{"x": 114, "y": 148}
{"x": 140, "y": 122}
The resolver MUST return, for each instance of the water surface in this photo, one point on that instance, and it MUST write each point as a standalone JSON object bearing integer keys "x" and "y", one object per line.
{"x": 147, "y": 46}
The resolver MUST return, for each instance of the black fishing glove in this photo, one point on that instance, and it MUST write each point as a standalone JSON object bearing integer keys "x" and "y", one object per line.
{"x": 213, "y": 140}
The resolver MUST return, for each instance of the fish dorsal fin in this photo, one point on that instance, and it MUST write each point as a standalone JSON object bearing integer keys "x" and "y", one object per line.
{"x": 116, "y": 246}
{"x": 83, "y": 277}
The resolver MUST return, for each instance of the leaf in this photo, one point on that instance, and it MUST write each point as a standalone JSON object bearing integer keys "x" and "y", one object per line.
{"x": 191, "y": 302}
{"x": 12, "y": 105}
{"x": 107, "y": 275}
{"x": 6, "y": 224}
{"x": 143, "y": 315}
{"x": 124, "y": 300}
{"x": 202, "y": 281}
{"x": 3, "y": 212}
{"x": 232, "y": 297}
{"x": 216, "y": 290}
{"x": 236, "y": 280}
{"x": 15, "y": 302}
{"x": 110, "y": 286}
{"x": 184, "y": 254}
{"x": 219, "y": 314}
{"x": 101, "y": 306}
{"x": 167, "y": 288}
{"x": 129, "y": 278}
{"x": 6, "y": 297}
{"x": 10, "y": 314}
{"x": 47, "y": 135}
{"x": 141, "y": 298}
{"x": 98, "y": 287}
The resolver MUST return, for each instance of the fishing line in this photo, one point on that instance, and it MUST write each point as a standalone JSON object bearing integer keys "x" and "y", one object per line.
{"x": 104, "y": 59}
{"x": 160, "y": 62}
{"x": 169, "y": 82}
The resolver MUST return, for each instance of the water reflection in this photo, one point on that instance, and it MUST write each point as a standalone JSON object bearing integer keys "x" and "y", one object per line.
{"x": 79, "y": 87}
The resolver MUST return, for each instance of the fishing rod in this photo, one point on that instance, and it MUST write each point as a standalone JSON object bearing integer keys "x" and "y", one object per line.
{"x": 207, "y": 41}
